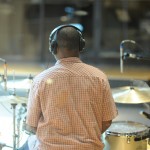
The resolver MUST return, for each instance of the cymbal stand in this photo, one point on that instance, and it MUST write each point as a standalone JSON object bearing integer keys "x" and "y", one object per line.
{"x": 4, "y": 145}
{"x": 18, "y": 129}
{"x": 21, "y": 111}
{"x": 14, "y": 125}
{"x": 146, "y": 114}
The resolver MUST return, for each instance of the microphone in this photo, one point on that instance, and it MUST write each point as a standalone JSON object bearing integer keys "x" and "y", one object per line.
{"x": 145, "y": 114}
{"x": 131, "y": 55}
{"x": 121, "y": 53}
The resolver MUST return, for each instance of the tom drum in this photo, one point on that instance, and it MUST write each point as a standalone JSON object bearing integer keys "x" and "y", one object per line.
{"x": 127, "y": 135}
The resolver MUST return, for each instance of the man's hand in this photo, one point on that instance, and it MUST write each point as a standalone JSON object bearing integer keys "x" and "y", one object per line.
{"x": 31, "y": 130}
{"x": 106, "y": 125}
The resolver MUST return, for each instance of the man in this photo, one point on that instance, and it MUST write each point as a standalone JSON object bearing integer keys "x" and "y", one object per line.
{"x": 70, "y": 104}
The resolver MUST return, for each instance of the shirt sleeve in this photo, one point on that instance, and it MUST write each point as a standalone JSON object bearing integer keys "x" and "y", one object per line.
{"x": 33, "y": 106}
{"x": 109, "y": 106}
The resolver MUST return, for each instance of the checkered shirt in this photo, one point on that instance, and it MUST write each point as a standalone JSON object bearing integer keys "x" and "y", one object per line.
{"x": 67, "y": 103}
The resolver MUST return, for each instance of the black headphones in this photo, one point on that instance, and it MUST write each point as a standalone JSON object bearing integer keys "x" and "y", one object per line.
{"x": 53, "y": 38}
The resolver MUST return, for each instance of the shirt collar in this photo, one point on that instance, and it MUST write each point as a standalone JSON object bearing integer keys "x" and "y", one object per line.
{"x": 69, "y": 59}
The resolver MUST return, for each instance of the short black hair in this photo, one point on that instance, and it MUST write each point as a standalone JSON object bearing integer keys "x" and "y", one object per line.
{"x": 68, "y": 38}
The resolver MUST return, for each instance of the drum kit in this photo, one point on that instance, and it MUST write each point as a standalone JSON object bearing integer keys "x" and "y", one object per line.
{"x": 131, "y": 95}
{"x": 122, "y": 135}
{"x": 129, "y": 135}
{"x": 14, "y": 100}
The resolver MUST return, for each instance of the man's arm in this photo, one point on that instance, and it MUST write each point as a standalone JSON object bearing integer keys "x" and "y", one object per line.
{"x": 106, "y": 125}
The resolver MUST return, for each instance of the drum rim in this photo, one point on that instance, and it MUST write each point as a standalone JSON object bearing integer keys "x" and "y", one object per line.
{"x": 128, "y": 134}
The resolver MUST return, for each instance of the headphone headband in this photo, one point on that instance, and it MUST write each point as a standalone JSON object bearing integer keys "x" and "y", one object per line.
{"x": 60, "y": 27}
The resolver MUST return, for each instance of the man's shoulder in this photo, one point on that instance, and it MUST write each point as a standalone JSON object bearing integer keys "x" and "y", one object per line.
{"x": 95, "y": 69}
{"x": 44, "y": 74}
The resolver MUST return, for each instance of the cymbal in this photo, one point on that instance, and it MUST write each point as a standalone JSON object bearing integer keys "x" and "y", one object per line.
{"x": 18, "y": 84}
{"x": 13, "y": 99}
{"x": 131, "y": 95}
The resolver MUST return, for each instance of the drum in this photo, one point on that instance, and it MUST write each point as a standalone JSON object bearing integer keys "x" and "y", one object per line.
{"x": 127, "y": 135}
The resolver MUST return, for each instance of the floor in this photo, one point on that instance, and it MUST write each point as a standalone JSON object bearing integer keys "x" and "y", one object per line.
{"x": 20, "y": 71}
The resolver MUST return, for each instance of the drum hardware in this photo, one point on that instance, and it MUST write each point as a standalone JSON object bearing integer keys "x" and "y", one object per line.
{"x": 122, "y": 135}
{"x": 141, "y": 138}
{"x": 5, "y": 73}
{"x": 146, "y": 136}
{"x": 21, "y": 111}
{"x": 131, "y": 95}
{"x": 145, "y": 114}
{"x": 24, "y": 126}
{"x": 4, "y": 145}
{"x": 148, "y": 141}
{"x": 1, "y": 77}
{"x": 13, "y": 99}
{"x": 128, "y": 139}
{"x": 14, "y": 125}
{"x": 23, "y": 84}
{"x": 16, "y": 137}
{"x": 18, "y": 131}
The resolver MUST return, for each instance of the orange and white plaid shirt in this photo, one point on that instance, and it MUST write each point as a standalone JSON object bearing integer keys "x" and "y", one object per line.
{"x": 67, "y": 103}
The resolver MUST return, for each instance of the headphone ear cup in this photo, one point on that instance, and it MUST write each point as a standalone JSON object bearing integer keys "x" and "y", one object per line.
{"x": 53, "y": 47}
{"x": 82, "y": 44}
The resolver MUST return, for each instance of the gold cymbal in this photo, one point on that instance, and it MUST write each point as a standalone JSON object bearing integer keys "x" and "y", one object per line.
{"x": 13, "y": 99}
{"x": 131, "y": 95}
{"x": 18, "y": 84}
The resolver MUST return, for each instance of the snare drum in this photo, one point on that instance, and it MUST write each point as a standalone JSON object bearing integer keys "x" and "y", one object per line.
{"x": 127, "y": 135}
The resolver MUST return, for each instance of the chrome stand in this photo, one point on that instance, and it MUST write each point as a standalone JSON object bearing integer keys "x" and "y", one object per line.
{"x": 3, "y": 145}
{"x": 14, "y": 125}
{"x": 21, "y": 111}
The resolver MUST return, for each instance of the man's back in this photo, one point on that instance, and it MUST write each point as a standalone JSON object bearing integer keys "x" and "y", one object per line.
{"x": 73, "y": 98}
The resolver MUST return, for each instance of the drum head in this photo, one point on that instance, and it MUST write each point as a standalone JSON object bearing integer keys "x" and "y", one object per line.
{"x": 127, "y": 128}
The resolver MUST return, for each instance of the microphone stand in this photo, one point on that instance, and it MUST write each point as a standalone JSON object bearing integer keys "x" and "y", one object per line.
{"x": 124, "y": 56}
{"x": 121, "y": 57}
{"x": 122, "y": 51}
{"x": 143, "y": 58}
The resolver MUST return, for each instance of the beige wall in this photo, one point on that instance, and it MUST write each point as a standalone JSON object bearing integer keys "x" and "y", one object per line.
{"x": 19, "y": 36}
{"x": 15, "y": 40}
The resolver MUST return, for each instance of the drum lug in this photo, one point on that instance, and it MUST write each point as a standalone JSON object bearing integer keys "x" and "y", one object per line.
{"x": 128, "y": 139}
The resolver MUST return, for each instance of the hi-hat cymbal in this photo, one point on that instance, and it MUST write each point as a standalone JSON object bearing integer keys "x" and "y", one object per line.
{"x": 18, "y": 84}
{"x": 131, "y": 95}
{"x": 13, "y": 99}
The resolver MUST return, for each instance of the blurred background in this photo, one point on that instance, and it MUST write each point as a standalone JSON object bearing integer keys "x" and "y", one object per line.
{"x": 25, "y": 26}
